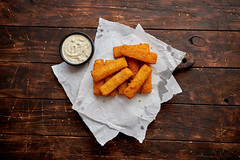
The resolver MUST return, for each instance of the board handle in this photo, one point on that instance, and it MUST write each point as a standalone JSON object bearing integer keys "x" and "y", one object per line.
{"x": 187, "y": 62}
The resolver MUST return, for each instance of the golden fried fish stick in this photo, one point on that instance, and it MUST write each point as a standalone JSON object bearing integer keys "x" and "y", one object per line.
{"x": 115, "y": 81}
{"x": 117, "y": 50}
{"x": 113, "y": 93}
{"x": 133, "y": 65}
{"x": 139, "y": 54}
{"x": 109, "y": 69}
{"x": 137, "y": 82}
{"x": 122, "y": 88}
{"x": 147, "y": 85}
{"x": 96, "y": 85}
{"x": 145, "y": 46}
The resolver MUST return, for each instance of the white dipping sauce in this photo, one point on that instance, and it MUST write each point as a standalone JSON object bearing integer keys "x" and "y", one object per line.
{"x": 76, "y": 48}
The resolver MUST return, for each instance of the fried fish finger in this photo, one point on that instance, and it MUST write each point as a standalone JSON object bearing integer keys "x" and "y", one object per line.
{"x": 137, "y": 82}
{"x": 139, "y": 54}
{"x": 133, "y": 65}
{"x": 117, "y": 50}
{"x": 109, "y": 69}
{"x": 115, "y": 81}
{"x": 96, "y": 85}
{"x": 113, "y": 93}
{"x": 122, "y": 88}
{"x": 147, "y": 85}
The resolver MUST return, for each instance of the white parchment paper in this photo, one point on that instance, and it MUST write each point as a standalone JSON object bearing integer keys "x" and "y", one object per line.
{"x": 107, "y": 116}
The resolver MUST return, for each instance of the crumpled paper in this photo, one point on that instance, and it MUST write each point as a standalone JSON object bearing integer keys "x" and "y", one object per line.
{"x": 107, "y": 116}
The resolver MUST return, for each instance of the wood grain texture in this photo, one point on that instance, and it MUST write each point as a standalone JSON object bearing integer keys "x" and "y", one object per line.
{"x": 59, "y": 147}
{"x": 23, "y": 80}
{"x": 208, "y": 86}
{"x": 181, "y": 122}
{"x": 209, "y": 48}
{"x": 199, "y": 85}
{"x": 207, "y": 15}
{"x": 41, "y": 117}
{"x": 36, "y": 119}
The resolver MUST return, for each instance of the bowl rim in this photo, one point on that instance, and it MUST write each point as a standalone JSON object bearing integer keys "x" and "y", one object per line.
{"x": 70, "y": 34}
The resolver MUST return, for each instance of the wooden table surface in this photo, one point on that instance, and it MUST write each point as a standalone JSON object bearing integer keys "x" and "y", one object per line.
{"x": 37, "y": 122}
